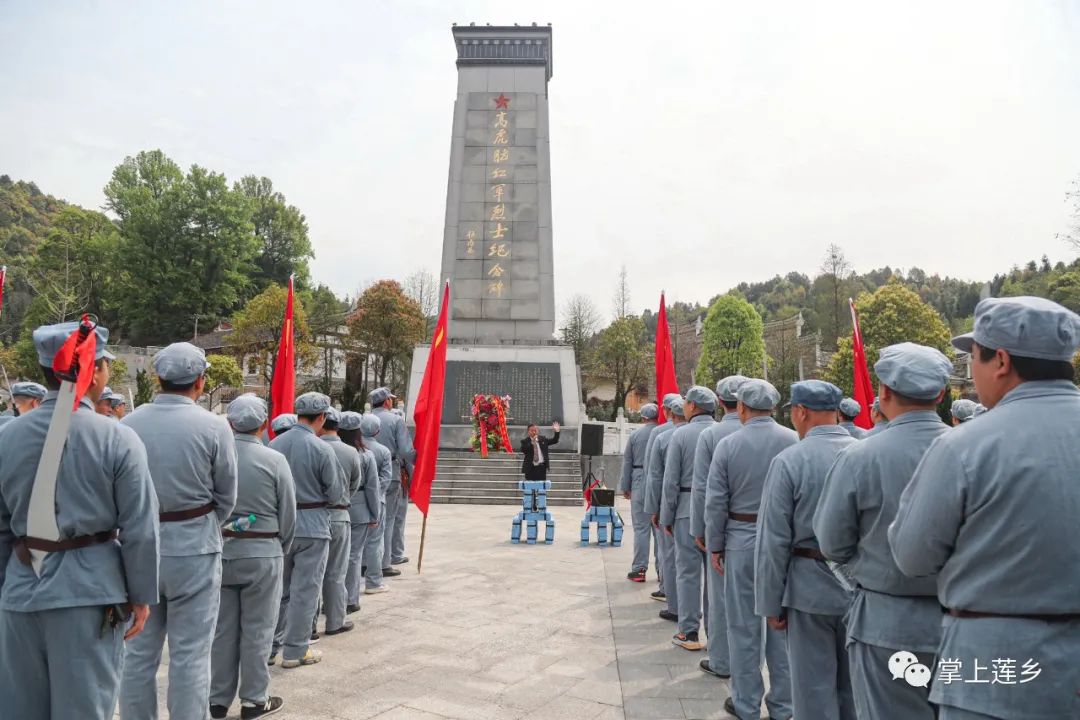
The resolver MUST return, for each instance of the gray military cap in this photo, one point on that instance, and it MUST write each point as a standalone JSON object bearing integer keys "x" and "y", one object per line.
{"x": 349, "y": 420}
{"x": 370, "y": 425}
{"x": 312, "y": 403}
{"x": 116, "y": 399}
{"x": 180, "y": 363}
{"x": 669, "y": 399}
{"x": 703, "y": 397}
{"x": 28, "y": 389}
{"x": 48, "y": 339}
{"x": 758, "y": 395}
{"x": 247, "y": 413}
{"x": 380, "y": 395}
{"x": 850, "y": 407}
{"x": 677, "y": 407}
{"x": 816, "y": 395}
{"x": 333, "y": 415}
{"x": 963, "y": 409}
{"x": 283, "y": 422}
{"x": 1026, "y": 326}
{"x": 916, "y": 371}
{"x": 728, "y": 388}
{"x": 649, "y": 411}
{"x": 980, "y": 409}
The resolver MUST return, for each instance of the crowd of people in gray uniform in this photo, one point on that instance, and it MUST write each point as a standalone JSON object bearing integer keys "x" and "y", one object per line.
{"x": 180, "y": 526}
{"x": 908, "y": 571}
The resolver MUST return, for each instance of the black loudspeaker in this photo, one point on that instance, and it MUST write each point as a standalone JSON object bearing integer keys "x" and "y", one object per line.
{"x": 603, "y": 497}
{"x": 592, "y": 439}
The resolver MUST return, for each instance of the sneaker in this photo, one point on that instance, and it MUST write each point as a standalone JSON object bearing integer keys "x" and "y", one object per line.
{"x": 688, "y": 641}
{"x": 376, "y": 590}
{"x": 272, "y": 660}
{"x": 705, "y": 667}
{"x": 310, "y": 658}
{"x": 636, "y": 576}
{"x": 659, "y": 596}
{"x": 218, "y": 711}
{"x": 400, "y": 561}
{"x": 345, "y": 627}
{"x": 668, "y": 615}
{"x": 390, "y": 572}
{"x": 350, "y": 609}
{"x": 271, "y": 706}
{"x": 314, "y": 638}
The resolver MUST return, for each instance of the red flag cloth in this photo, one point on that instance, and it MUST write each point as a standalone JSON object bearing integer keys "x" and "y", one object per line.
{"x": 3, "y": 281}
{"x": 283, "y": 386}
{"x": 665, "y": 361}
{"x": 864, "y": 389}
{"x": 428, "y": 412}
{"x": 75, "y": 358}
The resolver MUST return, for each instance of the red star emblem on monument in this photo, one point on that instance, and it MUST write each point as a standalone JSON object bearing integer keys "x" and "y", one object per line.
{"x": 502, "y": 102}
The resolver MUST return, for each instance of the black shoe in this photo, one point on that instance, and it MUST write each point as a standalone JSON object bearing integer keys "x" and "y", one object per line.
{"x": 659, "y": 595}
{"x": 400, "y": 561}
{"x": 636, "y": 576}
{"x": 345, "y": 627}
{"x": 272, "y": 659}
{"x": 363, "y": 570}
{"x": 729, "y": 705}
{"x": 314, "y": 638}
{"x": 390, "y": 572}
{"x": 350, "y": 609}
{"x": 668, "y": 615}
{"x": 704, "y": 665}
{"x": 272, "y": 706}
{"x": 218, "y": 711}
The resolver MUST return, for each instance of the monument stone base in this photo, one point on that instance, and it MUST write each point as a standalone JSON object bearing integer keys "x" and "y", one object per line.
{"x": 541, "y": 380}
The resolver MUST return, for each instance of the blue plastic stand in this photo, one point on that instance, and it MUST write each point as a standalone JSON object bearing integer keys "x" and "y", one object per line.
{"x": 602, "y": 516}
{"x": 533, "y": 510}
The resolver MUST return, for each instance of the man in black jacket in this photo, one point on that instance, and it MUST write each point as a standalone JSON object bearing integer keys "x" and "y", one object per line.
{"x": 535, "y": 449}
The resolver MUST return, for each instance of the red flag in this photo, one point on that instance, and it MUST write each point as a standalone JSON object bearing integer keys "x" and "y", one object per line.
{"x": 428, "y": 412}
{"x": 665, "y": 361}
{"x": 864, "y": 389}
{"x": 3, "y": 281}
{"x": 74, "y": 361}
{"x": 283, "y": 386}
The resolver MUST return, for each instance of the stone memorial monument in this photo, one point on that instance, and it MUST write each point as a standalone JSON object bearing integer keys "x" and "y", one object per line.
{"x": 497, "y": 241}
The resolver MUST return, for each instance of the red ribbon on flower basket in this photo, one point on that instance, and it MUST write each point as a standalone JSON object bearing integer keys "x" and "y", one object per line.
{"x": 500, "y": 406}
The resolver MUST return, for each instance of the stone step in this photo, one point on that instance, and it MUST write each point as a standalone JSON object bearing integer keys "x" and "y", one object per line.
{"x": 459, "y": 499}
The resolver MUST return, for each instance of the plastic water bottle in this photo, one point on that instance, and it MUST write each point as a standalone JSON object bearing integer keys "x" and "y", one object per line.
{"x": 240, "y": 524}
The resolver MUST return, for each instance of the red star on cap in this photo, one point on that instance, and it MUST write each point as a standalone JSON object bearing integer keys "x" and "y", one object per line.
{"x": 502, "y": 102}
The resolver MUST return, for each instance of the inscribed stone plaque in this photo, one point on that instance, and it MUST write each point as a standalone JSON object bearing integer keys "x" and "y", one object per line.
{"x": 535, "y": 390}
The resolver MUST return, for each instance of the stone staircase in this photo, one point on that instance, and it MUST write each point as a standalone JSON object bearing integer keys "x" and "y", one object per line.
{"x": 466, "y": 478}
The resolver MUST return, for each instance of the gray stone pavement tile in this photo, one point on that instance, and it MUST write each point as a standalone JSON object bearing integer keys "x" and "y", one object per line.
{"x": 651, "y": 708}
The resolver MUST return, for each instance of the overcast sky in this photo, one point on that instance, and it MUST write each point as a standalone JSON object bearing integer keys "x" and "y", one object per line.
{"x": 701, "y": 144}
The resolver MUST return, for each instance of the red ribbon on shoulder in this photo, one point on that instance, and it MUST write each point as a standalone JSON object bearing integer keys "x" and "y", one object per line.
{"x": 74, "y": 361}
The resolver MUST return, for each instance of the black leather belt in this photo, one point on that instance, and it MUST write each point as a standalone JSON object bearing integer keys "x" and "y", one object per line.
{"x": 22, "y": 546}
{"x": 972, "y": 615}
{"x": 310, "y": 506}
{"x": 812, "y": 553}
{"x": 637, "y": 467}
{"x": 182, "y": 515}
{"x": 689, "y": 489}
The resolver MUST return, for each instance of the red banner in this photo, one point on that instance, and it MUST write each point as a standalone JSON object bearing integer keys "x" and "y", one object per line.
{"x": 665, "y": 361}
{"x": 864, "y": 389}
{"x": 428, "y": 412}
{"x": 283, "y": 385}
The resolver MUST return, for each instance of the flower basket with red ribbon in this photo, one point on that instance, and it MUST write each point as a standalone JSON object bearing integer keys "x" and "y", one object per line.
{"x": 489, "y": 424}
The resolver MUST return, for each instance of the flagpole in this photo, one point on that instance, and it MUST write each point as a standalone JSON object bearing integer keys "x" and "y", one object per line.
{"x": 423, "y": 537}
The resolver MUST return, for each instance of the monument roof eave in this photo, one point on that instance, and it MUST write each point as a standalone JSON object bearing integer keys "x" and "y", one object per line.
{"x": 503, "y": 50}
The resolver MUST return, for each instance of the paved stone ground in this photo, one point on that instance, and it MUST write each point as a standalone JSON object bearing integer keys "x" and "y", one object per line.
{"x": 492, "y": 630}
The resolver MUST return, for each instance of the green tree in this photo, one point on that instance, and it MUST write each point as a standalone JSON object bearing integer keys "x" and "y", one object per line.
{"x": 257, "y": 332}
{"x": 281, "y": 233}
{"x": 187, "y": 246}
{"x": 892, "y": 314}
{"x": 622, "y": 355}
{"x": 224, "y": 372}
{"x": 385, "y": 326}
{"x": 145, "y": 388}
{"x": 732, "y": 341}
{"x": 831, "y": 289}
{"x": 326, "y": 319}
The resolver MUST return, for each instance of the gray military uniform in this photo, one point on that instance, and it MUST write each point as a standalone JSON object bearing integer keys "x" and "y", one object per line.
{"x": 853, "y": 430}
{"x": 192, "y": 459}
{"x": 251, "y": 571}
{"x": 736, "y": 479}
{"x": 879, "y": 427}
{"x": 715, "y": 614}
{"x": 56, "y": 662}
{"x": 679, "y": 469}
{"x": 890, "y": 611}
{"x": 363, "y": 511}
{"x": 801, "y": 588}
{"x": 395, "y": 437}
{"x": 334, "y": 592}
{"x": 655, "y": 461}
{"x": 633, "y": 482}
{"x": 991, "y": 513}
{"x": 376, "y": 545}
{"x": 317, "y": 479}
